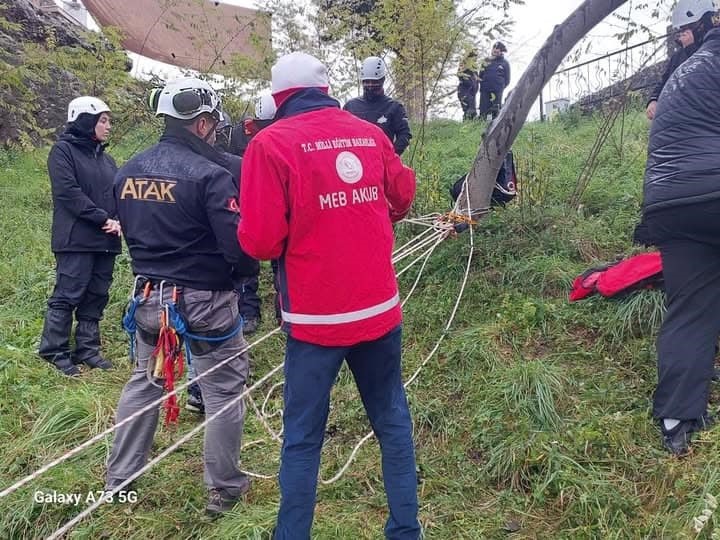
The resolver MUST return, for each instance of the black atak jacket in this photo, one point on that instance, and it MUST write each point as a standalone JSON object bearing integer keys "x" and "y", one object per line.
{"x": 178, "y": 207}
{"x": 683, "y": 164}
{"x": 81, "y": 179}
{"x": 386, "y": 113}
{"x": 495, "y": 75}
{"x": 674, "y": 62}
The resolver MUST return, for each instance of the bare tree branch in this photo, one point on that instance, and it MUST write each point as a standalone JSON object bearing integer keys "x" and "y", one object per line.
{"x": 502, "y": 132}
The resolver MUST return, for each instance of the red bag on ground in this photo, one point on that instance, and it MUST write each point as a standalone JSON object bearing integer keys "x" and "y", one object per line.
{"x": 642, "y": 271}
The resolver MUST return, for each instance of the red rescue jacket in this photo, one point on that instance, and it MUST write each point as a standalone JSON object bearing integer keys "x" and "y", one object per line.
{"x": 320, "y": 189}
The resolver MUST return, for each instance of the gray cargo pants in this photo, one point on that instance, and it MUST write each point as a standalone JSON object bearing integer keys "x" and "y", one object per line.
{"x": 205, "y": 312}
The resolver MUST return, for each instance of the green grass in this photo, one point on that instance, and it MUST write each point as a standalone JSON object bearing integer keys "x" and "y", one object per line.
{"x": 531, "y": 421}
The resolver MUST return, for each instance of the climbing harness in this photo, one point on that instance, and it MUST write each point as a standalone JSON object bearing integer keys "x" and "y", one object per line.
{"x": 167, "y": 361}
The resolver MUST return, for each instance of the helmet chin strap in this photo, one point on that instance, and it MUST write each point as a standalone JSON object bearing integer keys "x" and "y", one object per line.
{"x": 210, "y": 132}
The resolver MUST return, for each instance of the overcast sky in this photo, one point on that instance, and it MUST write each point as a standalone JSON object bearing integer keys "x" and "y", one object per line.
{"x": 535, "y": 20}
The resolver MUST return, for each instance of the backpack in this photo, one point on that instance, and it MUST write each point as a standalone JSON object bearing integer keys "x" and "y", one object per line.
{"x": 642, "y": 271}
{"x": 505, "y": 189}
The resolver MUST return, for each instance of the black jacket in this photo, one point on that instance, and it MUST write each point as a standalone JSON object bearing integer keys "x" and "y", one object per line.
{"x": 495, "y": 75}
{"x": 81, "y": 178}
{"x": 387, "y": 114}
{"x": 684, "y": 151}
{"x": 674, "y": 62}
{"x": 179, "y": 212}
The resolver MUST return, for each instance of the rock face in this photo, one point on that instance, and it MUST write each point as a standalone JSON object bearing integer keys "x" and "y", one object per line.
{"x": 36, "y": 25}
{"x": 30, "y": 99}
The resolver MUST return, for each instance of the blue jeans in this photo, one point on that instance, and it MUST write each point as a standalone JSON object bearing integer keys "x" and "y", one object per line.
{"x": 310, "y": 371}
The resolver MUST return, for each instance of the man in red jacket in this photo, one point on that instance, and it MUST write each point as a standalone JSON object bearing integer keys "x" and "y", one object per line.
{"x": 320, "y": 191}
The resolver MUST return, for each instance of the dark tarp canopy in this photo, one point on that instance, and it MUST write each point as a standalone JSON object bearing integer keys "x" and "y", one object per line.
{"x": 196, "y": 34}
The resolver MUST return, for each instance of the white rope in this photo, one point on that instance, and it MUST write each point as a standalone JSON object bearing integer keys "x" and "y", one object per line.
{"x": 42, "y": 470}
{"x": 420, "y": 273}
{"x": 415, "y": 221}
{"x": 414, "y": 239}
{"x": 421, "y": 238}
{"x": 263, "y": 420}
{"x": 73, "y": 452}
{"x": 420, "y": 245}
{"x": 425, "y": 256}
{"x": 70, "y": 524}
{"x": 414, "y": 376}
{"x": 436, "y": 236}
{"x": 265, "y": 416}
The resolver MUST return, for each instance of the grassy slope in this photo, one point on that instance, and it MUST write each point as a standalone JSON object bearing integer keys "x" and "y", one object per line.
{"x": 533, "y": 415}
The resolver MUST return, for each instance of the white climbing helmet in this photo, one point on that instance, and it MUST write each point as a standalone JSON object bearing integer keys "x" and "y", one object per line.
{"x": 373, "y": 68}
{"x": 265, "y": 108}
{"x": 86, "y": 104}
{"x": 691, "y": 11}
{"x": 188, "y": 98}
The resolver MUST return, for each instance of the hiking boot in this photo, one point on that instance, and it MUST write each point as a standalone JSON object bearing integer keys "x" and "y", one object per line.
{"x": 220, "y": 502}
{"x": 677, "y": 440}
{"x": 55, "y": 341}
{"x": 65, "y": 366}
{"x": 126, "y": 494}
{"x": 250, "y": 326}
{"x": 87, "y": 345}
{"x": 195, "y": 403}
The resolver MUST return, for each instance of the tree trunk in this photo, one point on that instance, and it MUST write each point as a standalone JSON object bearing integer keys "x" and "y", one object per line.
{"x": 500, "y": 135}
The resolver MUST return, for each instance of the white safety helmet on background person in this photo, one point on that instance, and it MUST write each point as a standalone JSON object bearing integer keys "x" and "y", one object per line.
{"x": 265, "y": 108}
{"x": 188, "y": 98}
{"x": 373, "y": 68}
{"x": 691, "y": 11}
{"x": 86, "y": 105}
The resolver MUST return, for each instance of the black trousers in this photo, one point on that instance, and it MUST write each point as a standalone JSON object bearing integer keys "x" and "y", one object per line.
{"x": 468, "y": 101}
{"x": 248, "y": 299}
{"x": 689, "y": 241}
{"x": 82, "y": 284}
{"x": 490, "y": 103}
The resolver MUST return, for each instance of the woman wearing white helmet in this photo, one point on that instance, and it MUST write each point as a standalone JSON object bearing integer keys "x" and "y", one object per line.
{"x": 85, "y": 237}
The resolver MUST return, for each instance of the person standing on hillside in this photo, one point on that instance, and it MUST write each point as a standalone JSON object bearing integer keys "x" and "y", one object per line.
{"x": 685, "y": 39}
{"x": 494, "y": 78}
{"x": 377, "y": 108}
{"x": 337, "y": 185}
{"x": 681, "y": 207}
{"x": 85, "y": 237}
{"x": 468, "y": 85}
{"x": 178, "y": 206}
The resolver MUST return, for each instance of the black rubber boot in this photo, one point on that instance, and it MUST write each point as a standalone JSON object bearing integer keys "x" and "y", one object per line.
{"x": 677, "y": 440}
{"x": 55, "y": 341}
{"x": 87, "y": 345}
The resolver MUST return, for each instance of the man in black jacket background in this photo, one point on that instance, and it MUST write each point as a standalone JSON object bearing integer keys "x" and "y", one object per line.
{"x": 681, "y": 209}
{"x": 84, "y": 237}
{"x": 377, "y": 108}
{"x": 494, "y": 78}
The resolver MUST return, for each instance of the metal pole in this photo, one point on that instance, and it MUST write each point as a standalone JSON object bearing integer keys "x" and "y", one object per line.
{"x": 542, "y": 108}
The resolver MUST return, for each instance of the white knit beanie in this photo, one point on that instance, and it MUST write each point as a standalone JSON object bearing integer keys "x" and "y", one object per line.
{"x": 298, "y": 70}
